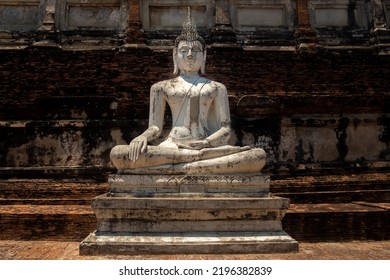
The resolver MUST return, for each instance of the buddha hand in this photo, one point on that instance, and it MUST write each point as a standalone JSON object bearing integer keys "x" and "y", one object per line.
{"x": 137, "y": 146}
{"x": 199, "y": 144}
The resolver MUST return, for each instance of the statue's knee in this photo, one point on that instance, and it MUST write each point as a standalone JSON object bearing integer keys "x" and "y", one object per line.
{"x": 255, "y": 153}
{"x": 118, "y": 151}
{"x": 260, "y": 152}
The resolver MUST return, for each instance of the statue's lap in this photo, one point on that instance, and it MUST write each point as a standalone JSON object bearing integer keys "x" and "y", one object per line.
{"x": 220, "y": 160}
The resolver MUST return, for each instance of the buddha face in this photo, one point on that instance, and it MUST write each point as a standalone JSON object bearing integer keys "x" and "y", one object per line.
{"x": 189, "y": 56}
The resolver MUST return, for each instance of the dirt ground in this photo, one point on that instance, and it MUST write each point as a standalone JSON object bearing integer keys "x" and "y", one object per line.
{"x": 53, "y": 250}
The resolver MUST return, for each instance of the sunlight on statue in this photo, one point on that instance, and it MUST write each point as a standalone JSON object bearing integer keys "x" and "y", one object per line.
{"x": 197, "y": 142}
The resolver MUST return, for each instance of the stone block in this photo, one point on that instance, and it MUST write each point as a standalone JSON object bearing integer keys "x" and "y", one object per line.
{"x": 274, "y": 14}
{"x": 188, "y": 214}
{"x": 92, "y": 15}
{"x": 201, "y": 185}
{"x": 158, "y": 215}
{"x": 194, "y": 202}
{"x": 261, "y": 16}
{"x": 170, "y": 15}
{"x": 331, "y": 17}
{"x": 329, "y": 138}
{"x": 125, "y": 226}
{"x": 20, "y": 15}
{"x": 189, "y": 243}
{"x": 386, "y": 8}
{"x": 337, "y": 14}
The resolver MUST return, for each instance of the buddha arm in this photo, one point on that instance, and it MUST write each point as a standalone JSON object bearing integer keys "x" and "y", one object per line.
{"x": 156, "y": 113}
{"x": 221, "y": 136}
{"x": 157, "y": 106}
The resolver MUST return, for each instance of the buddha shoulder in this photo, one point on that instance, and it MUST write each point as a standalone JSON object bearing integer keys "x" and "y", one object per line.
{"x": 219, "y": 87}
{"x": 165, "y": 85}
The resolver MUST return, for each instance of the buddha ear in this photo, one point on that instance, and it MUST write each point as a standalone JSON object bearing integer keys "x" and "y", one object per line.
{"x": 203, "y": 67}
{"x": 175, "y": 67}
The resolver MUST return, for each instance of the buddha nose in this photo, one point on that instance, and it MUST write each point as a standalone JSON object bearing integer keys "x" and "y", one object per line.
{"x": 189, "y": 55}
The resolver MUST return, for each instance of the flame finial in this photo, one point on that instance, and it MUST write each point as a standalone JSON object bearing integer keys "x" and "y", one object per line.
{"x": 189, "y": 32}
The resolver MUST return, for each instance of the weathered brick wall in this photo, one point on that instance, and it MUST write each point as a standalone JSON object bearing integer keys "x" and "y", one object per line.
{"x": 68, "y": 108}
{"x": 31, "y": 78}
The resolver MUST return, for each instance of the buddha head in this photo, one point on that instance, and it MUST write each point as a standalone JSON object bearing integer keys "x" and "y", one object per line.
{"x": 189, "y": 53}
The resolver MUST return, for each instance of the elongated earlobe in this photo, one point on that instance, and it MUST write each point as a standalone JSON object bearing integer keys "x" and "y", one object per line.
{"x": 203, "y": 67}
{"x": 175, "y": 67}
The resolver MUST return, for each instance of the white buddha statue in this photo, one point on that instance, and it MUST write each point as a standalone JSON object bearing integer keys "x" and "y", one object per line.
{"x": 197, "y": 142}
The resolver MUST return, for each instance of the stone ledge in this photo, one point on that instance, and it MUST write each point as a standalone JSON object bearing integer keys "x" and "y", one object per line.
{"x": 10, "y": 45}
{"x": 190, "y": 225}
{"x": 189, "y": 185}
{"x": 231, "y": 180}
{"x": 160, "y": 215}
{"x": 189, "y": 243}
{"x": 128, "y": 202}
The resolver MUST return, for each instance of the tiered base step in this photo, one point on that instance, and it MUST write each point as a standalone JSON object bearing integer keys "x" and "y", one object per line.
{"x": 43, "y": 209}
{"x": 46, "y": 222}
{"x": 338, "y": 221}
{"x": 189, "y": 243}
{"x": 303, "y": 222}
{"x": 47, "y": 209}
{"x": 49, "y": 191}
{"x": 198, "y": 214}
{"x": 343, "y": 188}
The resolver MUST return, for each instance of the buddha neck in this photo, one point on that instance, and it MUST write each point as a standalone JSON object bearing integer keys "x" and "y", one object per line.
{"x": 190, "y": 77}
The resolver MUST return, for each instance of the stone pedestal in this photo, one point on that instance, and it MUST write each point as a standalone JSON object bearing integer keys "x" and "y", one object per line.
{"x": 181, "y": 214}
